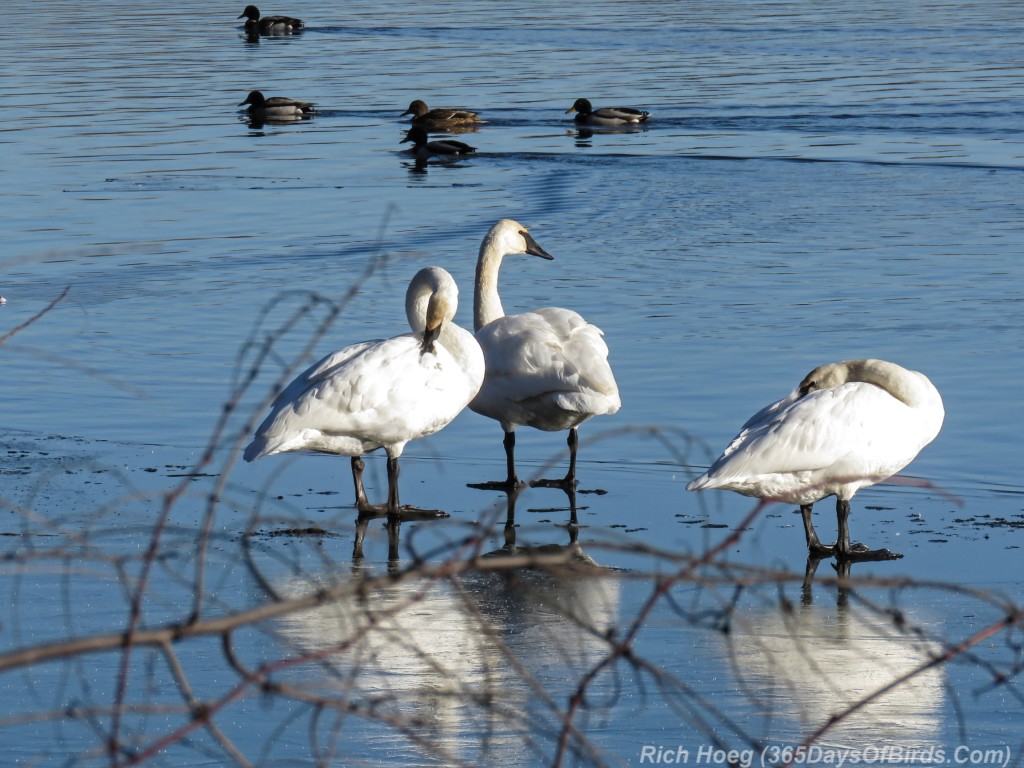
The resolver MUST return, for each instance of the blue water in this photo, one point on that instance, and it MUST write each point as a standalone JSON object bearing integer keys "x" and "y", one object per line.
{"x": 815, "y": 184}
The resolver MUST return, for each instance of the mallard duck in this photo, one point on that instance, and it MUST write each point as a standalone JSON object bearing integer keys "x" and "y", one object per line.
{"x": 268, "y": 25}
{"x": 276, "y": 107}
{"x": 381, "y": 394}
{"x": 422, "y": 148}
{"x": 587, "y": 115}
{"x": 546, "y": 369}
{"x": 846, "y": 426}
{"x": 426, "y": 117}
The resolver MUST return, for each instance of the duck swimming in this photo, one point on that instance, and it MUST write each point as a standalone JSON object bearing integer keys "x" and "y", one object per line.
{"x": 276, "y": 107}
{"x": 441, "y": 118}
{"x": 546, "y": 369}
{"x": 846, "y": 426}
{"x": 587, "y": 115}
{"x": 381, "y": 394}
{"x": 446, "y": 149}
{"x": 268, "y": 25}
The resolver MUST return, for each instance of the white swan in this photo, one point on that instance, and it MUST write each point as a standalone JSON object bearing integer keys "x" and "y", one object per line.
{"x": 381, "y": 394}
{"x": 546, "y": 369}
{"x": 847, "y": 425}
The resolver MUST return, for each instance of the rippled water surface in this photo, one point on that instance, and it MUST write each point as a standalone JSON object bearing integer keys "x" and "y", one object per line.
{"x": 816, "y": 183}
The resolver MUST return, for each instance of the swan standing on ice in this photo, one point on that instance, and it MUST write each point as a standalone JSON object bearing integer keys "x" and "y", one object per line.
{"x": 847, "y": 425}
{"x": 546, "y": 369}
{"x": 381, "y": 394}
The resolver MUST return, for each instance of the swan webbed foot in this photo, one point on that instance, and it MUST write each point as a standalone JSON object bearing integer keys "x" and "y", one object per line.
{"x": 860, "y": 553}
{"x": 366, "y": 509}
{"x": 507, "y": 486}
{"x": 567, "y": 483}
{"x": 818, "y": 550}
{"x": 405, "y": 513}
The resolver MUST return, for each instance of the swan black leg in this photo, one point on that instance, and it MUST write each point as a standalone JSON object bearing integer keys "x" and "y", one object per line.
{"x": 509, "y": 443}
{"x": 569, "y": 481}
{"x": 511, "y": 482}
{"x": 854, "y": 552}
{"x": 393, "y": 505}
{"x": 814, "y": 545}
{"x": 363, "y": 504}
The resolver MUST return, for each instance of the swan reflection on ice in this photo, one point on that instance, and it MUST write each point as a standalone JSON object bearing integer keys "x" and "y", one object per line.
{"x": 804, "y": 665}
{"x": 490, "y": 655}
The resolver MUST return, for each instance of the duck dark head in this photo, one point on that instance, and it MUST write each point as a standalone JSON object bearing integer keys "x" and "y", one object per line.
{"x": 256, "y": 98}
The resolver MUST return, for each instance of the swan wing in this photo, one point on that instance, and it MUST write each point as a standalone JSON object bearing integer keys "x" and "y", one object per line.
{"x": 551, "y": 354}
{"x": 854, "y": 430}
{"x": 369, "y": 395}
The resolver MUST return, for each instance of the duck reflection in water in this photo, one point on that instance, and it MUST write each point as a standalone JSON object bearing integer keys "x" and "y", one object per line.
{"x": 584, "y": 134}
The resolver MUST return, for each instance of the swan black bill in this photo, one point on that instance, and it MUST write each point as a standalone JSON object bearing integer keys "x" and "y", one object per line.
{"x": 429, "y": 337}
{"x": 532, "y": 246}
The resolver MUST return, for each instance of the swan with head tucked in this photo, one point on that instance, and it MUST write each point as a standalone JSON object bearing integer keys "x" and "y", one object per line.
{"x": 546, "y": 369}
{"x": 587, "y": 115}
{"x": 381, "y": 394}
{"x": 846, "y": 426}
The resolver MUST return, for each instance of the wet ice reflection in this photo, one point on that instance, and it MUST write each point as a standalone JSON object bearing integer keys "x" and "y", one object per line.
{"x": 803, "y": 665}
{"x": 494, "y": 650}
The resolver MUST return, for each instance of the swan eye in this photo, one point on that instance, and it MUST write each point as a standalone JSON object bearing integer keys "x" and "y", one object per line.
{"x": 808, "y": 386}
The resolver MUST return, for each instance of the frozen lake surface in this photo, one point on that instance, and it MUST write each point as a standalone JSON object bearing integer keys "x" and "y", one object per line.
{"x": 815, "y": 184}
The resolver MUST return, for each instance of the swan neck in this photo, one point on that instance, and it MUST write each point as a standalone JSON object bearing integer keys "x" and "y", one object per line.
{"x": 909, "y": 387}
{"x": 416, "y": 301}
{"x": 486, "y": 302}
{"x": 460, "y": 343}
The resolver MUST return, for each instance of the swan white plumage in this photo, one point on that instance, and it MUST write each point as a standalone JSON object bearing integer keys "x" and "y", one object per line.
{"x": 846, "y": 426}
{"x": 546, "y": 369}
{"x": 381, "y": 394}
